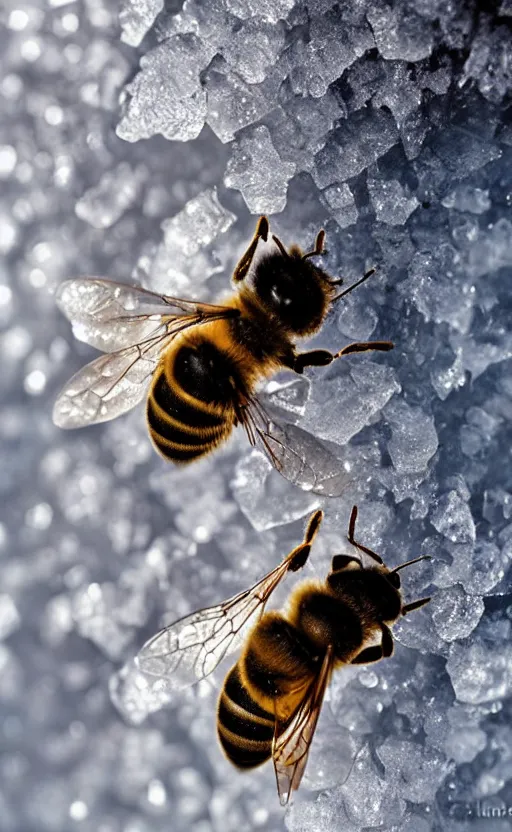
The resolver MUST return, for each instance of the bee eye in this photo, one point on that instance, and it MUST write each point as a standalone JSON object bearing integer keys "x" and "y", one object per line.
{"x": 394, "y": 579}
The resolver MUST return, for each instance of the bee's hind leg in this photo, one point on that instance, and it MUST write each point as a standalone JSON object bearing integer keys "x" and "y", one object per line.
{"x": 243, "y": 265}
{"x": 321, "y": 358}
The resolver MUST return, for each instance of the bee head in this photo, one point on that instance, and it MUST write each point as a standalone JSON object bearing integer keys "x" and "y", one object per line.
{"x": 377, "y": 585}
{"x": 293, "y": 289}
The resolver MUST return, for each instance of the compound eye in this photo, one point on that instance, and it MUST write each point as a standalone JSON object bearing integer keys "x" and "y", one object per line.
{"x": 394, "y": 579}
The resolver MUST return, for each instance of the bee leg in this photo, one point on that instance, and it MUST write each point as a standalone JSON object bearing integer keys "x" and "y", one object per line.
{"x": 414, "y": 605}
{"x": 242, "y": 267}
{"x": 364, "y": 346}
{"x": 351, "y": 539}
{"x": 319, "y": 245}
{"x": 368, "y": 655}
{"x": 321, "y": 358}
{"x": 298, "y": 556}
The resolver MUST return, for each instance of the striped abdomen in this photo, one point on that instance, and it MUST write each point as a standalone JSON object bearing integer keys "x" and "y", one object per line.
{"x": 269, "y": 681}
{"x": 190, "y": 407}
{"x": 245, "y": 730}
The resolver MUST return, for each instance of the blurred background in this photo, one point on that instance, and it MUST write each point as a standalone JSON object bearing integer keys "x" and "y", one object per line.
{"x": 140, "y": 143}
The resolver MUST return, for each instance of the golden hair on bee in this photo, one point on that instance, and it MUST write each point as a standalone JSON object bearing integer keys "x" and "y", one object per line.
{"x": 203, "y": 362}
{"x": 272, "y": 697}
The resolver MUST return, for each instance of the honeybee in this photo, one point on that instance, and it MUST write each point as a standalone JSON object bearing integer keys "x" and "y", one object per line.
{"x": 272, "y": 697}
{"x": 202, "y": 361}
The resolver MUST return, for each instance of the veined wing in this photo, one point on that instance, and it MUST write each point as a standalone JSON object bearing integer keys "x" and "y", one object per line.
{"x": 109, "y": 386}
{"x": 118, "y": 319}
{"x": 192, "y": 647}
{"x": 110, "y": 315}
{"x": 292, "y": 740}
{"x": 294, "y": 452}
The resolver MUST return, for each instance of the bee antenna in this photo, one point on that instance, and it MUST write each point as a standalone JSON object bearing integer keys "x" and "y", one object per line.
{"x": 410, "y": 562}
{"x": 280, "y": 246}
{"x": 355, "y": 285}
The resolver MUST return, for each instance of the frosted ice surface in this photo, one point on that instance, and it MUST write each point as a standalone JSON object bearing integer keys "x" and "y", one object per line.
{"x": 326, "y": 55}
{"x": 136, "y": 18}
{"x": 390, "y": 202}
{"x": 489, "y": 62}
{"x": 400, "y": 33}
{"x": 413, "y": 437}
{"x": 480, "y": 672}
{"x": 355, "y": 145}
{"x": 181, "y": 261}
{"x": 359, "y": 392}
{"x": 468, "y": 198}
{"x": 340, "y": 200}
{"x": 263, "y": 497}
{"x": 234, "y": 104}
{"x": 270, "y": 11}
{"x": 166, "y": 95}
{"x": 255, "y": 168}
{"x": 106, "y": 202}
{"x": 253, "y": 48}
{"x": 419, "y": 771}
{"x": 452, "y": 518}
{"x": 455, "y": 614}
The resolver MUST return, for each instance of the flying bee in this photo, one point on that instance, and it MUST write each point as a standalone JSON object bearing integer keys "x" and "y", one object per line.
{"x": 272, "y": 697}
{"x": 202, "y": 362}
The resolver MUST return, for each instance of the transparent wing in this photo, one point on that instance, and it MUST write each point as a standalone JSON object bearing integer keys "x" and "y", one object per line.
{"x": 109, "y": 386}
{"x": 123, "y": 322}
{"x": 192, "y": 647}
{"x": 294, "y": 452}
{"x": 110, "y": 315}
{"x": 292, "y": 740}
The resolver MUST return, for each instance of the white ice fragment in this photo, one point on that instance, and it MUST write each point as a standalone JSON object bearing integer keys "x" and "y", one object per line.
{"x": 489, "y": 61}
{"x": 455, "y": 614}
{"x": 438, "y": 288}
{"x": 340, "y": 200}
{"x": 346, "y": 403}
{"x": 368, "y": 798}
{"x": 233, "y": 104}
{"x": 326, "y": 55}
{"x": 137, "y": 17}
{"x": 450, "y": 378}
{"x": 490, "y": 250}
{"x": 480, "y": 672}
{"x": 400, "y": 33}
{"x": 269, "y": 10}
{"x": 253, "y": 48}
{"x": 467, "y": 198}
{"x": 179, "y": 264}
{"x": 357, "y": 318}
{"x": 401, "y": 92}
{"x": 463, "y": 744}
{"x": 390, "y": 202}
{"x": 265, "y": 497}
{"x": 355, "y": 145}
{"x": 102, "y": 205}
{"x": 166, "y": 96}
{"x": 452, "y": 518}
{"x": 257, "y": 171}
{"x": 417, "y": 770}
{"x": 414, "y": 438}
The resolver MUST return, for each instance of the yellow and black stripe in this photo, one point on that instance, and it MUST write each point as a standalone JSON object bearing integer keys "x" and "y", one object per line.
{"x": 191, "y": 404}
{"x": 245, "y": 730}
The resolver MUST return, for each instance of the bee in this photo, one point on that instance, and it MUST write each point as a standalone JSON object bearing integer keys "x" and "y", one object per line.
{"x": 202, "y": 362}
{"x": 272, "y": 697}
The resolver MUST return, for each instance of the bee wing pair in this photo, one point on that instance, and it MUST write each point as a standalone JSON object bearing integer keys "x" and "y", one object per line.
{"x": 133, "y": 326}
{"x": 190, "y": 649}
